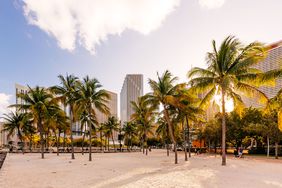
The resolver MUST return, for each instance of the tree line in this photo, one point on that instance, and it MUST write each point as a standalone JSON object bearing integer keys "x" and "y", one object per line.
{"x": 169, "y": 110}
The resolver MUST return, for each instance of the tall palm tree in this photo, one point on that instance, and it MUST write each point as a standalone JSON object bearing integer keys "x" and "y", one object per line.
{"x": 274, "y": 105}
{"x": 230, "y": 73}
{"x": 38, "y": 102}
{"x": 107, "y": 134}
{"x": 129, "y": 130}
{"x": 85, "y": 120}
{"x": 28, "y": 129}
{"x": 101, "y": 130}
{"x": 18, "y": 123}
{"x": 57, "y": 121}
{"x": 163, "y": 89}
{"x": 162, "y": 130}
{"x": 112, "y": 125}
{"x": 66, "y": 94}
{"x": 144, "y": 116}
{"x": 91, "y": 98}
{"x": 186, "y": 104}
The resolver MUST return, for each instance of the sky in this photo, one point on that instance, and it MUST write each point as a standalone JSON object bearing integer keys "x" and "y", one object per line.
{"x": 107, "y": 39}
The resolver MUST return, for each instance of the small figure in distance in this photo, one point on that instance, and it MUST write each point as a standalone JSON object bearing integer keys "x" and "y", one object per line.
{"x": 240, "y": 154}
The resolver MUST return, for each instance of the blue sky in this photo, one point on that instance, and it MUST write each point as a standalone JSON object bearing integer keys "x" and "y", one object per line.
{"x": 174, "y": 35}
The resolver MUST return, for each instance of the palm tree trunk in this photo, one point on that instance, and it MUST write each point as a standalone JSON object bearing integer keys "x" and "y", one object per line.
{"x": 276, "y": 150}
{"x": 184, "y": 141}
{"x": 167, "y": 149}
{"x": 82, "y": 144}
{"x": 108, "y": 143}
{"x": 167, "y": 141}
{"x": 64, "y": 142}
{"x": 41, "y": 137}
{"x": 113, "y": 142}
{"x": 71, "y": 137}
{"x": 47, "y": 138}
{"x": 101, "y": 141}
{"x": 143, "y": 144}
{"x": 30, "y": 142}
{"x": 267, "y": 145}
{"x": 145, "y": 138}
{"x": 128, "y": 146}
{"x": 90, "y": 142}
{"x": 21, "y": 140}
{"x": 223, "y": 144}
{"x": 171, "y": 134}
{"x": 58, "y": 141}
{"x": 188, "y": 136}
{"x": 130, "y": 142}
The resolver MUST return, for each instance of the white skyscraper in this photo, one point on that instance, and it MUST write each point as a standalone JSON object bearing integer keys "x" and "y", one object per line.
{"x": 132, "y": 88}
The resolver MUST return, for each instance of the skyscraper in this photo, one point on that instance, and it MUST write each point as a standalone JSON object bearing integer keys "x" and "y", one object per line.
{"x": 20, "y": 89}
{"x": 132, "y": 88}
{"x": 112, "y": 105}
{"x": 272, "y": 61}
{"x": 101, "y": 117}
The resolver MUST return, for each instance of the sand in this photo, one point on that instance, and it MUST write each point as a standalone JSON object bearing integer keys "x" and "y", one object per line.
{"x": 135, "y": 170}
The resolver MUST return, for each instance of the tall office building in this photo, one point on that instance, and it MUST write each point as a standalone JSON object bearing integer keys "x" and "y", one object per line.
{"x": 112, "y": 105}
{"x": 272, "y": 61}
{"x": 132, "y": 88}
{"x": 3, "y": 135}
{"x": 20, "y": 89}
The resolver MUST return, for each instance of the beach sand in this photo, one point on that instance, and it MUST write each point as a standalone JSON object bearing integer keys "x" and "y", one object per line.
{"x": 135, "y": 170}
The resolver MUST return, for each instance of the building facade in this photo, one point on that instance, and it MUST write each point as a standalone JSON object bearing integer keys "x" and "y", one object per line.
{"x": 20, "y": 89}
{"x": 112, "y": 105}
{"x": 132, "y": 88}
{"x": 3, "y": 136}
{"x": 272, "y": 61}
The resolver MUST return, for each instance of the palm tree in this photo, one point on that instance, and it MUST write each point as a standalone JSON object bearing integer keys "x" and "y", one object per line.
{"x": 162, "y": 130}
{"x": 129, "y": 130}
{"x": 230, "y": 73}
{"x": 186, "y": 104}
{"x": 38, "y": 102}
{"x": 163, "y": 89}
{"x": 91, "y": 98}
{"x": 144, "y": 116}
{"x": 112, "y": 125}
{"x": 66, "y": 94}
{"x": 101, "y": 129}
{"x": 19, "y": 123}
{"x": 57, "y": 121}
{"x": 28, "y": 129}
{"x": 274, "y": 105}
{"x": 107, "y": 134}
{"x": 85, "y": 119}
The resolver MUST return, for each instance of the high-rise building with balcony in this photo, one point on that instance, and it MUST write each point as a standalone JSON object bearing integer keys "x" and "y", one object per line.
{"x": 101, "y": 117}
{"x": 271, "y": 62}
{"x": 132, "y": 88}
{"x": 20, "y": 89}
{"x": 112, "y": 105}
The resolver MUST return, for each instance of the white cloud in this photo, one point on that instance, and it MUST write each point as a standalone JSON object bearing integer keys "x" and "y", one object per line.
{"x": 90, "y": 22}
{"x": 211, "y": 4}
{"x": 4, "y": 103}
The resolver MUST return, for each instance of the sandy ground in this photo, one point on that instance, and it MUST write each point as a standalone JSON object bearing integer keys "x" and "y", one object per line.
{"x": 135, "y": 170}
